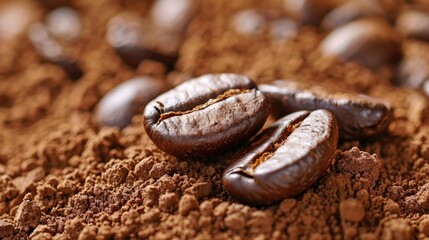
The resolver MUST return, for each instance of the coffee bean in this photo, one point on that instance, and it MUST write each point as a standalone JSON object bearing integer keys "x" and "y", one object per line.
{"x": 54, "y": 3}
{"x": 284, "y": 160}
{"x": 359, "y": 116}
{"x": 206, "y": 115}
{"x": 351, "y": 11}
{"x": 283, "y": 29}
{"x": 64, "y": 23}
{"x": 413, "y": 23}
{"x": 370, "y": 42}
{"x": 172, "y": 15}
{"x": 309, "y": 11}
{"x": 136, "y": 39}
{"x": 15, "y": 17}
{"x": 248, "y": 22}
{"x": 127, "y": 99}
{"x": 51, "y": 50}
{"x": 413, "y": 72}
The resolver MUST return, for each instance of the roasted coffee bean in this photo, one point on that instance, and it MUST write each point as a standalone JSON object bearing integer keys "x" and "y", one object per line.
{"x": 16, "y": 16}
{"x": 309, "y": 11}
{"x": 351, "y": 11}
{"x": 172, "y": 15}
{"x": 136, "y": 39}
{"x": 206, "y": 115}
{"x": 413, "y": 72}
{"x": 248, "y": 22}
{"x": 370, "y": 42}
{"x": 54, "y": 3}
{"x": 118, "y": 106}
{"x": 283, "y": 29}
{"x": 64, "y": 23}
{"x": 413, "y": 23}
{"x": 358, "y": 116}
{"x": 51, "y": 50}
{"x": 284, "y": 160}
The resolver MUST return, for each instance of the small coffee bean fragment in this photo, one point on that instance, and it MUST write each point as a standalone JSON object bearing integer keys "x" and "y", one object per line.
{"x": 118, "y": 106}
{"x": 284, "y": 160}
{"x": 351, "y": 11}
{"x": 16, "y": 16}
{"x": 64, "y": 23}
{"x": 248, "y": 22}
{"x": 136, "y": 39}
{"x": 413, "y": 72}
{"x": 206, "y": 115}
{"x": 283, "y": 29}
{"x": 309, "y": 11}
{"x": 172, "y": 15}
{"x": 51, "y": 50}
{"x": 370, "y": 42}
{"x": 358, "y": 116}
{"x": 54, "y": 3}
{"x": 413, "y": 23}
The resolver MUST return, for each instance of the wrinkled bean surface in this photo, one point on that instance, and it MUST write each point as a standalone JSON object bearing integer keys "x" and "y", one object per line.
{"x": 358, "y": 116}
{"x": 206, "y": 115}
{"x": 283, "y": 160}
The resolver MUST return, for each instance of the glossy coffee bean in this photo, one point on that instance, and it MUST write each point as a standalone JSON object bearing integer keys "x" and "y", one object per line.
{"x": 118, "y": 107}
{"x": 350, "y": 11}
{"x": 16, "y": 16}
{"x": 64, "y": 23}
{"x": 172, "y": 15}
{"x": 283, "y": 29}
{"x": 51, "y": 50}
{"x": 413, "y": 72}
{"x": 370, "y": 42}
{"x": 206, "y": 115}
{"x": 358, "y": 116}
{"x": 248, "y": 22}
{"x": 284, "y": 160}
{"x": 136, "y": 39}
{"x": 309, "y": 11}
{"x": 413, "y": 23}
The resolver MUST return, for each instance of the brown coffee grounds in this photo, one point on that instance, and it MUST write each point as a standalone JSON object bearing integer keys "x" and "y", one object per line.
{"x": 63, "y": 177}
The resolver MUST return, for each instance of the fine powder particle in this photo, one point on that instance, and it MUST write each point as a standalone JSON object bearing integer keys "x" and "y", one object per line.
{"x": 63, "y": 177}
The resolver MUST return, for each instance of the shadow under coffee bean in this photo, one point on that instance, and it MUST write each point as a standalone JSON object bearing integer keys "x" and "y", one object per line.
{"x": 283, "y": 160}
{"x": 358, "y": 116}
{"x": 206, "y": 115}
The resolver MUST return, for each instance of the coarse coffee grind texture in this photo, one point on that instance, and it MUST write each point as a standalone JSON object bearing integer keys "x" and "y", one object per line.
{"x": 63, "y": 177}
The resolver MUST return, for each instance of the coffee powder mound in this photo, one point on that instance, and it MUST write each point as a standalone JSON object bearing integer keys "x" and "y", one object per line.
{"x": 64, "y": 177}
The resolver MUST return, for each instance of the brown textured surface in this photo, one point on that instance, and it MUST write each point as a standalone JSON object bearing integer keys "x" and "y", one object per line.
{"x": 63, "y": 177}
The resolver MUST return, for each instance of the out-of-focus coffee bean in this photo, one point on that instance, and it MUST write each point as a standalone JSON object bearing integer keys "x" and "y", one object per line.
{"x": 129, "y": 98}
{"x": 64, "y": 23}
{"x": 370, "y": 42}
{"x": 54, "y": 3}
{"x": 248, "y": 22}
{"x": 413, "y": 72}
{"x": 283, "y": 29}
{"x": 351, "y": 11}
{"x": 51, "y": 50}
{"x": 206, "y": 115}
{"x": 136, "y": 39}
{"x": 413, "y": 23}
{"x": 391, "y": 8}
{"x": 172, "y": 15}
{"x": 309, "y": 11}
{"x": 15, "y": 17}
